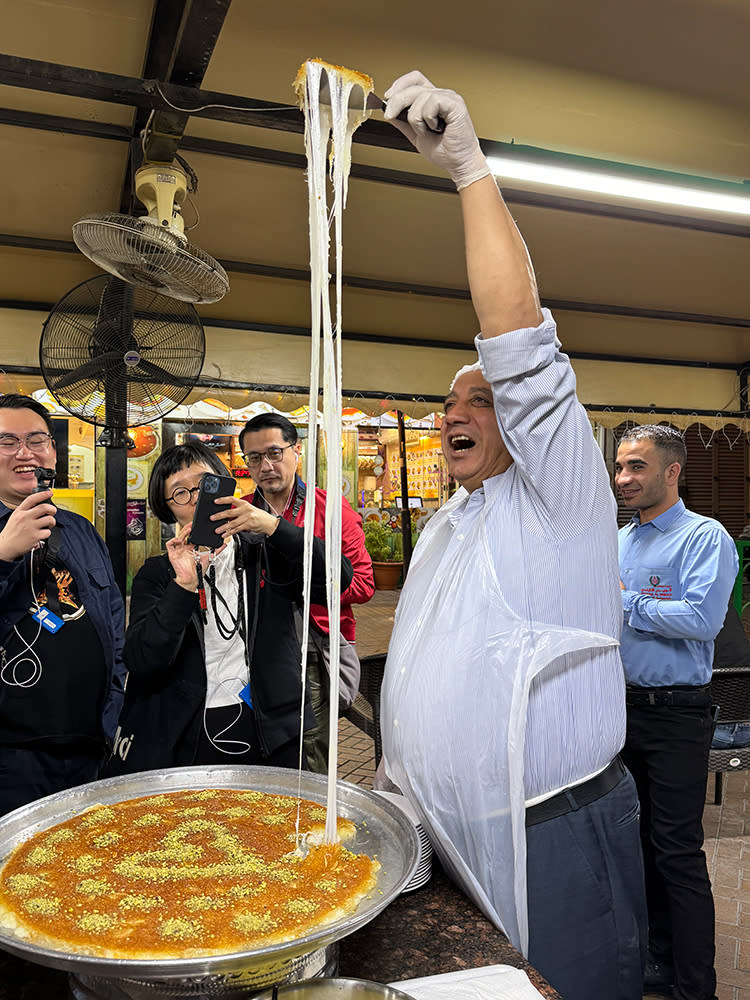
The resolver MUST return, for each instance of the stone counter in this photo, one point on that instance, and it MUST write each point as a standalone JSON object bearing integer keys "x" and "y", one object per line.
{"x": 429, "y": 932}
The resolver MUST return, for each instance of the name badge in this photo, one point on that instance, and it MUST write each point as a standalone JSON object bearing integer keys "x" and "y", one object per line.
{"x": 246, "y": 696}
{"x": 48, "y": 619}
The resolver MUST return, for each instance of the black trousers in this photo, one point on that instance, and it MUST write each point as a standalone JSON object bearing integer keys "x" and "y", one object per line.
{"x": 666, "y": 751}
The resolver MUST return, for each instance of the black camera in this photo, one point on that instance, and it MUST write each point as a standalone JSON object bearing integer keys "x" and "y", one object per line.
{"x": 210, "y": 484}
{"x": 45, "y": 479}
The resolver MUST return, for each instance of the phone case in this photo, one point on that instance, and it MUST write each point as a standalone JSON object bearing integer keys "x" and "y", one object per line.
{"x": 203, "y": 531}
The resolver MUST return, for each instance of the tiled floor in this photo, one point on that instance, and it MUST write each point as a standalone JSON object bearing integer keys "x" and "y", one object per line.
{"x": 727, "y": 826}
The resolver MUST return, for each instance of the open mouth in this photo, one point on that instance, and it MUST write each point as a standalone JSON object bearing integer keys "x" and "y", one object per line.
{"x": 460, "y": 443}
{"x": 23, "y": 470}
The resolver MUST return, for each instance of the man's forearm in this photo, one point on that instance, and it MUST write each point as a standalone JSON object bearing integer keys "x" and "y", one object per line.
{"x": 501, "y": 277}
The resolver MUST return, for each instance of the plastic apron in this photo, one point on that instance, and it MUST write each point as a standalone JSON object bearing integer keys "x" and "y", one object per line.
{"x": 454, "y": 703}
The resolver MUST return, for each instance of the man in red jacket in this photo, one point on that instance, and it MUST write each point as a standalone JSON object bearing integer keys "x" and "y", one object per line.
{"x": 271, "y": 449}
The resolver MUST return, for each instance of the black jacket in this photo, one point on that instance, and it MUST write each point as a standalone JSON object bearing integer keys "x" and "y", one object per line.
{"x": 164, "y": 652}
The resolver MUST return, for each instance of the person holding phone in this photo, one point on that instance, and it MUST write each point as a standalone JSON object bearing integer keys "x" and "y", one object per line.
{"x": 62, "y": 622}
{"x": 213, "y": 645}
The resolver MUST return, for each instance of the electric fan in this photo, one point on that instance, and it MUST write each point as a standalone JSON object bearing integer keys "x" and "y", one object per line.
{"x": 152, "y": 251}
{"x": 119, "y": 356}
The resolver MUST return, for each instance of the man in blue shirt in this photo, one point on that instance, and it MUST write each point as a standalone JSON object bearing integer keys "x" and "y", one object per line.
{"x": 677, "y": 570}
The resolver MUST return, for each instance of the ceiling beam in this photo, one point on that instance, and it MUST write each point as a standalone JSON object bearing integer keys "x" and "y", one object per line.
{"x": 196, "y": 37}
{"x": 381, "y": 175}
{"x": 163, "y": 37}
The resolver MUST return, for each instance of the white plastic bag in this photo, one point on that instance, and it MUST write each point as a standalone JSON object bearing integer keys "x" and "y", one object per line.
{"x": 453, "y": 714}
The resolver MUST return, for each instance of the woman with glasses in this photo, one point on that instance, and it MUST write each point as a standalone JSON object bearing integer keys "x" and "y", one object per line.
{"x": 213, "y": 645}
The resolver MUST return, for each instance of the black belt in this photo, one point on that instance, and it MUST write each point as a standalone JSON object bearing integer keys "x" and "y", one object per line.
{"x": 676, "y": 695}
{"x": 576, "y": 796}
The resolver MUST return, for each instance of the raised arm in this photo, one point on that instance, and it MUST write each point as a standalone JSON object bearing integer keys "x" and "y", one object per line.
{"x": 501, "y": 278}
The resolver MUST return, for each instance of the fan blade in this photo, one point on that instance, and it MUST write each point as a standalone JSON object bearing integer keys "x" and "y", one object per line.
{"x": 158, "y": 374}
{"x": 88, "y": 370}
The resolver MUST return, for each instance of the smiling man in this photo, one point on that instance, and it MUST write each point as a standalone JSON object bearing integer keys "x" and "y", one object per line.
{"x": 503, "y": 703}
{"x": 677, "y": 571}
{"x": 61, "y": 624}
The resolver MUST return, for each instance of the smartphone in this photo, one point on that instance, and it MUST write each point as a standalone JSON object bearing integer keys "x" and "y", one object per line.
{"x": 203, "y": 531}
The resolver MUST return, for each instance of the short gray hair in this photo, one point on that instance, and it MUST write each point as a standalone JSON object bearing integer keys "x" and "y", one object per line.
{"x": 476, "y": 367}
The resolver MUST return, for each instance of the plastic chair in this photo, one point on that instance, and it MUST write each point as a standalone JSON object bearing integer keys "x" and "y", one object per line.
{"x": 730, "y": 692}
{"x": 365, "y": 712}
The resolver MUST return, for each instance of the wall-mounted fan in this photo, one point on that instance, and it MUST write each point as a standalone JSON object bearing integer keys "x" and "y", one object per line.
{"x": 117, "y": 355}
{"x": 120, "y": 356}
{"x": 152, "y": 251}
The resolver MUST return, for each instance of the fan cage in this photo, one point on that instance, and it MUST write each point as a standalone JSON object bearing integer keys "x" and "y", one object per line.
{"x": 141, "y": 253}
{"x": 120, "y": 356}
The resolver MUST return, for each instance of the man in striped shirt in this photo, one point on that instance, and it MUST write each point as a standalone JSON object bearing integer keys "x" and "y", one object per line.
{"x": 503, "y": 707}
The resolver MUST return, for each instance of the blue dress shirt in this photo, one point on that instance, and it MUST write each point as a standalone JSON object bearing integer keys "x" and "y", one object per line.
{"x": 678, "y": 571}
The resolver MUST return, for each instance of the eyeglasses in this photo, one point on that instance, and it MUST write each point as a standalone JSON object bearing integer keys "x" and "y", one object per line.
{"x": 182, "y": 495}
{"x": 36, "y": 441}
{"x": 274, "y": 454}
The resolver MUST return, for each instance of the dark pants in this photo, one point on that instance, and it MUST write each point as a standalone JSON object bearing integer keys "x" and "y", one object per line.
{"x": 27, "y": 775}
{"x": 667, "y": 752}
{"x": 316, "y": 739}
{"x": 587, "y": 910}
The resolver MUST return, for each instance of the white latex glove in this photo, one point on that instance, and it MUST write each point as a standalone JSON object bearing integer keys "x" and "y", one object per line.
{"x": 455, "y": 150}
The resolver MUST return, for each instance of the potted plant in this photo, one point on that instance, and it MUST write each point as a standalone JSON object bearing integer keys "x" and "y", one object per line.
{"x": 386, "y": 551}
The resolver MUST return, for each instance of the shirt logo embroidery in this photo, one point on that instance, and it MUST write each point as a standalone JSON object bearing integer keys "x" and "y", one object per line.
{"x": 654, "y": 580}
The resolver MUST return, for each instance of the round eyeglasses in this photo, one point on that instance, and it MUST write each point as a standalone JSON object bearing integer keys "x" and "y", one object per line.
{"x": 183, "y": 496}
{"x": 274, "y": 454}
{"x": 37, "y": 441}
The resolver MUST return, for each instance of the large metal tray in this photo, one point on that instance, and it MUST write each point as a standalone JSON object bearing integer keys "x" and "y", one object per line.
{"x": 383, "y": 831}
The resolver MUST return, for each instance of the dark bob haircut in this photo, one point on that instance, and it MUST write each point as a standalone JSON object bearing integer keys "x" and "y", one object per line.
{"x": 180, "y": 456}
{"x": 264, "y": 421}
{"x": 15, "y": 401}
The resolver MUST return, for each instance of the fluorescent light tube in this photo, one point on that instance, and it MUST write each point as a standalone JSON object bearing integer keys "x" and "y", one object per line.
{"x": 610, "y": 184}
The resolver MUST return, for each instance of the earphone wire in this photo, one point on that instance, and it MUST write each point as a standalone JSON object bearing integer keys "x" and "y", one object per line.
{"x": 28, "y": 655}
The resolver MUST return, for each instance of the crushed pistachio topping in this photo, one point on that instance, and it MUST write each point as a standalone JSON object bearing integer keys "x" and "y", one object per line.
{"x": 178, "y": 929}
{"x": 24, "y": 883}
{"x": 149, "y": 819}
{"x": 240, "y": 891}
{"x": 301, "y": 906}
{"x": 326, "y": 885}
{"x": 39, "y": 856}
{"x": 106, "y": 839}
{"x": 96, "y": 923}
{"x": 59, "y": 837}
{"x": 42, "y": 907}
{"x": 104, "y": 814}
{"x": 137, "y": 901}
{"x": 318, "y": 814}
{"x": 197, "y": 903}
{"x": 274, "y": 819}
{"x": 86, "y": 863}
{"x": 193, "y": 811}
{"x": 253, "y": 923}
{"x": 238, "y": 812}
{"x": 93, "y": 887}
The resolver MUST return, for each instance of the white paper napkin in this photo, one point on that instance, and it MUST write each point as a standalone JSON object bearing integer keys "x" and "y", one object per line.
{"x": 491, "y": 982}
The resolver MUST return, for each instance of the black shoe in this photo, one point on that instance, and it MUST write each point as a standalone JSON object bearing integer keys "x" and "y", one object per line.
{"x": 658, "y": 977}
